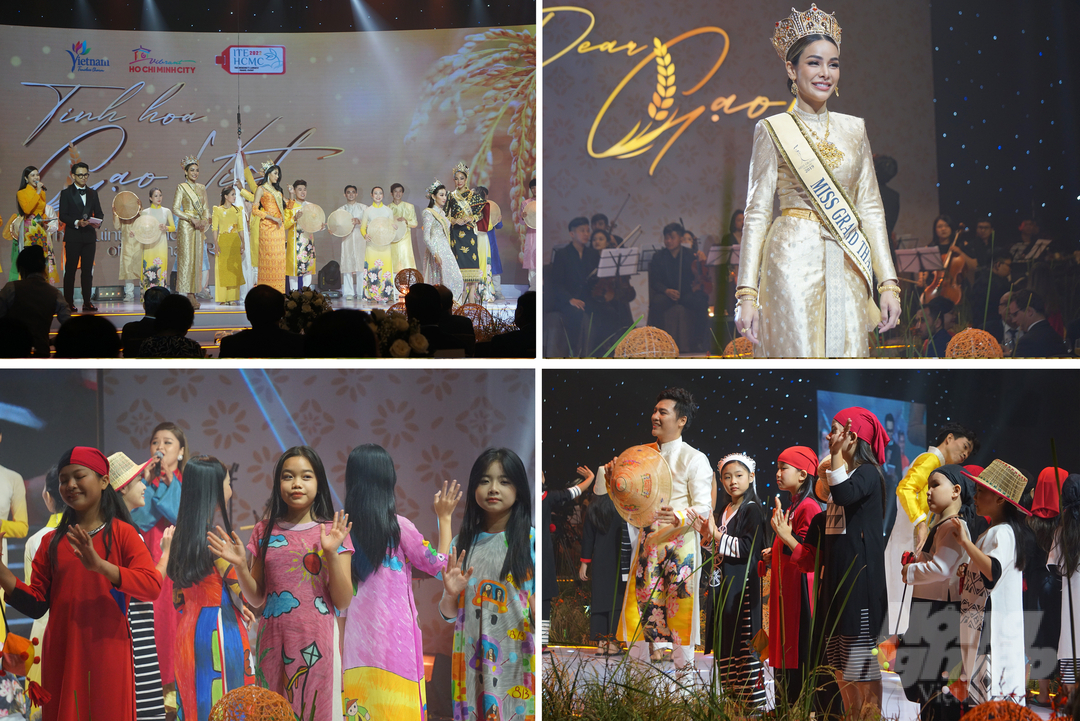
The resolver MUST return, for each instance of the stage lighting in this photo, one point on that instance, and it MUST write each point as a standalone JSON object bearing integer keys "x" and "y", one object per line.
{"x": 151, "y": 17}
{"x": 366, "y": 19}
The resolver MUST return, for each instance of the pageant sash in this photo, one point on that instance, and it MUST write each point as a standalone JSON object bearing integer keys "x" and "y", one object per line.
{"x": 830, "y": 202}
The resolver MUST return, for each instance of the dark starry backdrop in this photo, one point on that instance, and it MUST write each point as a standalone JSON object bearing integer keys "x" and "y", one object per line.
{"x": 589, "y": 417}
{"x": 271, "y": 16}
{"x": 1006, "y": 97}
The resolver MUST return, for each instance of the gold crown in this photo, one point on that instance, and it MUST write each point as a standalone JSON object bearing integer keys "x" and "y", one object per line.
{"x": 266, "y": 165}
{"x": 461, "y": 168}
{"x": 433, "y": 187}
{"x": 188, "y": 160}
{"x": 799, "y": 25}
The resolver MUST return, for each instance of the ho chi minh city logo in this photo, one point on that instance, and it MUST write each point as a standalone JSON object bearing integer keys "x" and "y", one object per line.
{"x": 81, "y": 63}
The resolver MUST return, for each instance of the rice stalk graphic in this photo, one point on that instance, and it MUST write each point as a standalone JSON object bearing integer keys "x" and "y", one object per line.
{"x": 664, "y": 96}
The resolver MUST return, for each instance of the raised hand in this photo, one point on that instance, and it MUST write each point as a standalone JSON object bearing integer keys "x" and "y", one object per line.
{"x": 454, "y": 580}
{"x": 227, "y": 548}
{"x": 166, "y": 538}
{"x": 331, "y": 540}
{"x": 585, "y": 473}
{"x": 779, "y": 520}
{"x": 82, "y": 545}
{"x": 446, "y": 500}
{"x": 841, "y": 444}
{"x": 609, "y": 468}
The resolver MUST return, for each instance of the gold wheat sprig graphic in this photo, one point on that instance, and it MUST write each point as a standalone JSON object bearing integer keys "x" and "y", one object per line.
{"x": 664, "y": 97}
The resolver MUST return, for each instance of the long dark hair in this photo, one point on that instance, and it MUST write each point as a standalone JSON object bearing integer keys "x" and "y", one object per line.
{"x": 266, "y": 178}
{"x": 1069, "y": 524}
{"x": 111, "y": 507}
{"x": 190, "y": 560}
{"x": 431, "y": 201}
{"x": 865, "y": 454}
{"x": 369, "y": 500}
{"x": 751, "y": 492}
{"x": 1016, "y": 519}
{"x": 518, "y": 560}
{"x": 600, "y": 513}
{"x": 322, "y": 509}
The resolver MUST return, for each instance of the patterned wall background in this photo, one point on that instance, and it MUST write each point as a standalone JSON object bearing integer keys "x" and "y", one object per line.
{"x": 434, "y": 424}
{"x": 886, "y": 78}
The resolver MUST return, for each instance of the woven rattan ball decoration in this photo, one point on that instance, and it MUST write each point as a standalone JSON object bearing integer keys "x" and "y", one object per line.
{"x": 973, "y": 343}
{"x": 252, "y": 703}
{"x": 1000, "y": 711}
{"x": 647, "y": 342}
{"x": 739, "y": 348}
{"x": 407, "y": 278}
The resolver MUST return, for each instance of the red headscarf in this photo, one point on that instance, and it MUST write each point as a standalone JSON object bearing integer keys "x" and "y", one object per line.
{"x": 91, "y": 458}
{"x": 973, "y": 469}
{"x": 800, "y": 457}
{"x": 1045, "y": 504}
{"x": 867, "y": 427}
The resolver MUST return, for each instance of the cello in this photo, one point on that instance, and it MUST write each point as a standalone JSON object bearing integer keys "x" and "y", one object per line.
{"x": 946, "y": 283}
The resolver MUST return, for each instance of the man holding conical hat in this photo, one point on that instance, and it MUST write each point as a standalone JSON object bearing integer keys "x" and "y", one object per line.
{"x": 661, "y": 602}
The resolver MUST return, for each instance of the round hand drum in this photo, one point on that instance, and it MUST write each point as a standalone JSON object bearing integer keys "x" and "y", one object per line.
{"x": 126, "y": 205}
{"x": 340, "y": 223}
{"x": 311, "y": 219}
{"x": 146, "y": 230}
{"x": 381, "y": 233}
{"x": 530, "y": 214}
{"x": 639, "y": 484}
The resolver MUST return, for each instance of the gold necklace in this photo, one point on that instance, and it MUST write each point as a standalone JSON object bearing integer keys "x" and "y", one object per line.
{"x": 830, "y": 154}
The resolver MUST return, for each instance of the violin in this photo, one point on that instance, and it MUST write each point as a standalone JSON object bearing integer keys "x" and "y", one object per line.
{"x": 945, "y": 282}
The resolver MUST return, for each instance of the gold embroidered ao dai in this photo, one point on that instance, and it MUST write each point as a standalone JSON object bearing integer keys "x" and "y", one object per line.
{"x": 814, "y": 302}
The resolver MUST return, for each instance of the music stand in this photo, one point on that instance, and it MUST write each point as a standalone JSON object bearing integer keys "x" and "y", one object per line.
{"x": 723, "y": 255}
{"x": 916, "y": 260}
{"x": 618, "y": 262}
{"x": 1037, "y": 249}
{"x": 907, "y": 242}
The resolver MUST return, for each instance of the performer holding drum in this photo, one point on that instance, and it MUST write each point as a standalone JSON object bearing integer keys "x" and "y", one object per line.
{"x": 661, "y": 488}
{"x": 126, "y": 207}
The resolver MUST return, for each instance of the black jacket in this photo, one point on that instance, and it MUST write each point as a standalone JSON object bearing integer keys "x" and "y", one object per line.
{"x": 1040, "y": 341}
{"x": 72, "y": 209}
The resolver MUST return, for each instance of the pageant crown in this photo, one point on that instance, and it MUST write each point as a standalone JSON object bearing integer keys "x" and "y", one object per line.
{"x": 189, "y": 160}
{"x": 266, "y": 165}
{"x": 461, "y": 168}
{"x": 799, "y": 25}
{"x": 433, "y": 187}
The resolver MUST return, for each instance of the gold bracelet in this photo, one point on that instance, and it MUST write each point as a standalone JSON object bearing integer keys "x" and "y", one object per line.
{"x": 746, "y": 293}
{"x": 888, "y": 286}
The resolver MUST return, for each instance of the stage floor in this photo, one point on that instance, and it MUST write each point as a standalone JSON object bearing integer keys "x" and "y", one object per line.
{"x": 214, "y": 321}
{"x": 894, "y": 706}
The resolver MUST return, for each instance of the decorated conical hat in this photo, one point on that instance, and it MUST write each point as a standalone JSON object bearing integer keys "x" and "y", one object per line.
{"x": 530, "y": 214}
{"x": 1004, "y": 480}
{"x": 122, "y": 470}
{"x": 146, "y": 229}
{"x": 380, "y": 232}
{"x": 640, "y": 484}
{"x": 126, "y": 205}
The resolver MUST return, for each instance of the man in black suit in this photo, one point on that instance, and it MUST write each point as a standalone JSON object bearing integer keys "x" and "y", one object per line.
{"x": 567, "y": 284}
{"x": 265, "y": 307}
{"x": 134, "y": 333}
{"x": 1039, "y": 339}
{"x": 79, "y": 203}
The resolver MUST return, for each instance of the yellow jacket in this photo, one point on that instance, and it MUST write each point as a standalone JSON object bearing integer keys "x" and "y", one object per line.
{"x": 912, "y": 488}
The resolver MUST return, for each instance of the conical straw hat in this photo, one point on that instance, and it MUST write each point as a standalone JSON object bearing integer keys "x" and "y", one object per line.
{"x": 1004, "y": 480}
{"x": 640, "y": 484}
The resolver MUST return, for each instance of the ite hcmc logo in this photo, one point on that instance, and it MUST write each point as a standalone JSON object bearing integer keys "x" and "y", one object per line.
{"x": 83, "y": 64}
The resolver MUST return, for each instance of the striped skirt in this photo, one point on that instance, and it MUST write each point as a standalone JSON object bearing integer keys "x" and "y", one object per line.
{"x": 149, "y": 695}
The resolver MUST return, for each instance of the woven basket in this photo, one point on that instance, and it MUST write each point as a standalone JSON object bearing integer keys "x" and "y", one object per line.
{"x": 482, "y": 322}
{"x": 647, "y": 342}
{"x": 407, "y": 278}
{"x": 739, "y": 348}
{"x": 973, "y": 343}
{"x": 1000, "y": 711}
{"x": 252, "y": 703}
{"x": 398, "y": 308}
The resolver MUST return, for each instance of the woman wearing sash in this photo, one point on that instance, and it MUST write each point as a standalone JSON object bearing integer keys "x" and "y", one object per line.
{"x": 807, "y": 279}
{"x": 155, "y": 257}
{"x": 193, "y": 216}
{"x": 269, "y": 207}
{"x": 442, "y": 268}
{"x": 464, "y": 208}
{"x": 33, "y": 223}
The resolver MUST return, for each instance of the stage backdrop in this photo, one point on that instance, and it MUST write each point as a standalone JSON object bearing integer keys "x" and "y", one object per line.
{"x": 434, "y": 424}
{"x": 608, "y": 134}
{"x": 366, "y": 109}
